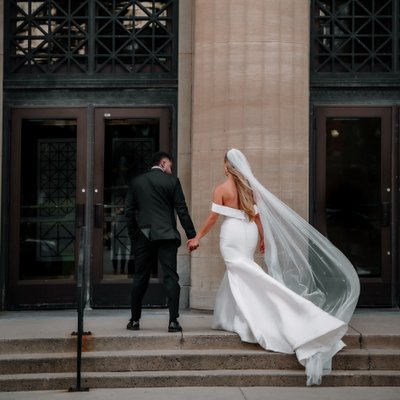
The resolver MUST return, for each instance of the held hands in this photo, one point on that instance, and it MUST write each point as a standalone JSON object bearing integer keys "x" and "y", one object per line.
{"x": 192, "y": 244}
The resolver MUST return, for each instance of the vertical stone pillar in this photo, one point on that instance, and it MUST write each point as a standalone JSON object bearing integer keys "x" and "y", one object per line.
{"x": 2, "y": 272}
{"x": 250, "y": 91}
{"x": 184, "y": 129}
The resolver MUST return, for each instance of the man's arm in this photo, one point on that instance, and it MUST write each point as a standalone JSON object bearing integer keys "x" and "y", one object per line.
{"x": 183, "y": 212}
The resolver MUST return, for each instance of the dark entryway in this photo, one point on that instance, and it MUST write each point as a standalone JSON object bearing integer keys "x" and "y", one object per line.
{"x": 70, "y": 168}
{"x": 355, "y": 193}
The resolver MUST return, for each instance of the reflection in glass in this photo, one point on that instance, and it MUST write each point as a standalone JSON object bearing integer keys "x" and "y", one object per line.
{"x": 353, "y": 200}
{"x": 128, "y": 147}
{"x": 48, "y": 180}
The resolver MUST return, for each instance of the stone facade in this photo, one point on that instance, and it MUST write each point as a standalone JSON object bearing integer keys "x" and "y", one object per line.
{"x": 250, "y": 91}
{"x": 1, "y": 108}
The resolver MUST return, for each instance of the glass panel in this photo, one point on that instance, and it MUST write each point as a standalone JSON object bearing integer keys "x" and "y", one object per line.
{"x": 128, "y": 147}
{"x": 49, "y": 36}
{"x": 47, "y": 222}
{"x": 353, "y": 187}
{"x": 134, "y": 36}
{"x": 67, "y": 37}
{"x": 358, "y": 36}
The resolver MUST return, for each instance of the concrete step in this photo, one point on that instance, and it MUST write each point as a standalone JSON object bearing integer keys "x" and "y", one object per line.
{"x": 235, "y": 378}
{"x": 151, "y": 341}
{"x": 135, "y": 341}
{"x": 178, "y": 360}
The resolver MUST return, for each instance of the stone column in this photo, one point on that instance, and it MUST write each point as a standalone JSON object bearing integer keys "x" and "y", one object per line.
{"x": 250, "y": 91}
{"x": 184, "y": 135}
{"x": 2, "y": 272}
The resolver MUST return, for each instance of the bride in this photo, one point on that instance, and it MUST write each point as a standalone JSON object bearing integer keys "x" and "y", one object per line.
{"x": 305, "y": 301}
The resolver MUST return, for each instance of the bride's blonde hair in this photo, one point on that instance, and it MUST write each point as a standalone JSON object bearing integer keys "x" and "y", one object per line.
{"x": 245, "y": 191}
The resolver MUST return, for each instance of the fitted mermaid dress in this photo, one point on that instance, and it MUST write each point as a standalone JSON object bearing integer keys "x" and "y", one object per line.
{"x": 262, "y": 310}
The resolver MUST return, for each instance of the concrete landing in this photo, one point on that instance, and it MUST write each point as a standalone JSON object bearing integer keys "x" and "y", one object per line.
{"x": 112, "y": 323}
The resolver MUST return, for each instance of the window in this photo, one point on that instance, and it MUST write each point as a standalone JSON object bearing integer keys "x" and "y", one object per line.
{"x": 92, "y": 36}
{"x": 354, "y": 36}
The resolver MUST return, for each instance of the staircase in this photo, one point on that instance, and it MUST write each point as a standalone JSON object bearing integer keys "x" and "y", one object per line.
{"x": 202, "y": 358}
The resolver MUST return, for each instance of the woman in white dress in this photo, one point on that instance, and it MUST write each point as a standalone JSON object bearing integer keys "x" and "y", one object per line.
{"x": 304, "y": 302}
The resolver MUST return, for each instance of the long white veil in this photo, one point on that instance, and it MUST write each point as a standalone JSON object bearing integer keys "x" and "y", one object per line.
{"x": 301, "y": 258}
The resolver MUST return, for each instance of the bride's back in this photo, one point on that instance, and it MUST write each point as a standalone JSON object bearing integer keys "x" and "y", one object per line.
{"x": 229, "y": 193}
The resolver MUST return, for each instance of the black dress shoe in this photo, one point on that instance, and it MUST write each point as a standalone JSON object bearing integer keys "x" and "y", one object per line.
{"x": 133, "y": 325}
{"x": 174, "y": 327}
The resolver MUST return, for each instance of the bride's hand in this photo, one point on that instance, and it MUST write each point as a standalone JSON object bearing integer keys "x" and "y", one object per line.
{"x": 192, "y": 244}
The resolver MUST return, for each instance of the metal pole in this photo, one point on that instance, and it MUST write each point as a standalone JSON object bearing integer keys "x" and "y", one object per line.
{"x": 80, "y": 293}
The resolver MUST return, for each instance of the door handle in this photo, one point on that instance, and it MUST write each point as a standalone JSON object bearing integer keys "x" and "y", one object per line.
{"x": 98, "y": 215}
{"x": 385, "y": 218}
{"x": 79, "y": 215}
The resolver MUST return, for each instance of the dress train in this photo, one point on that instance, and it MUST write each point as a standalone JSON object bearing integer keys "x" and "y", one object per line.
{"x": 262, "y": 310}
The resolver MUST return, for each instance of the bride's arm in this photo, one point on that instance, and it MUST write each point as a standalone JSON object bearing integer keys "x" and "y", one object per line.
{"x": 260, "y": 232}
{"x": 210, "y": 221}
{"x": 208, "y": 224}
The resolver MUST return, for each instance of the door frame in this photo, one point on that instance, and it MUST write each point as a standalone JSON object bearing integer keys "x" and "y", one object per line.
{"x": 370, "y": 287}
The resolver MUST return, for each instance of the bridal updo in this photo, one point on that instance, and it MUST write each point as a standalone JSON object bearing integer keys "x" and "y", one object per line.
{"x": 245, "y": 192}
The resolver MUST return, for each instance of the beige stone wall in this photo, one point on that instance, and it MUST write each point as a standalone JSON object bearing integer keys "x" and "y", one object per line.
{"x": 1, "y": 91}
{"x": 184, "y": 135}
{"x": 250, "y": 91}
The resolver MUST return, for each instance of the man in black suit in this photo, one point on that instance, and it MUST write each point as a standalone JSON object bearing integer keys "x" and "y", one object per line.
{"x": 151, "y": 203}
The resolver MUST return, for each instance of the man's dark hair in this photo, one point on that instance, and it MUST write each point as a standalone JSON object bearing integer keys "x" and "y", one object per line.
{"x": 157, "y": 157}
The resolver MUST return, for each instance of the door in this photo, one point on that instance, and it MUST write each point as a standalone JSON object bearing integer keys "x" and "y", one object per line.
{"x": 354, "y": 192}
{"x": 125, "y": 140}
{"x": 67, "y": 172}
{"x": 47, "y": 164}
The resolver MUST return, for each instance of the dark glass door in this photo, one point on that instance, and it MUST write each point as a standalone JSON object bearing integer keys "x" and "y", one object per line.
{"x": 58, "y": 184}
{"x": 354, "y": 192}
{"x": 47, "y": 164}
{"x": 125, "y": 140}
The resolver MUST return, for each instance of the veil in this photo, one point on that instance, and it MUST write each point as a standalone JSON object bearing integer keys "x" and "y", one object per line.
{"x": 302, "y": 259}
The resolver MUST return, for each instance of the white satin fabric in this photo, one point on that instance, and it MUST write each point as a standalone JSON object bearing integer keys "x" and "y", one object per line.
{"x": 262, "y": 310}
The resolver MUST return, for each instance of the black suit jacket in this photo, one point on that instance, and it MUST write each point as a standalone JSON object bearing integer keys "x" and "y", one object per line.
{"x": 151, "y": 203}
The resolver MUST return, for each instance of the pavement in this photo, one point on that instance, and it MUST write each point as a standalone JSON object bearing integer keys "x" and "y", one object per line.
{"x": 216, "y": 393}
{"x": 60, "y": 323}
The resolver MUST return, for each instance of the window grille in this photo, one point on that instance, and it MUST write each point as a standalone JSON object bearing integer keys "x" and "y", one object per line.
{"x": 354, "y": 36}
{"x": 92, "y": 36}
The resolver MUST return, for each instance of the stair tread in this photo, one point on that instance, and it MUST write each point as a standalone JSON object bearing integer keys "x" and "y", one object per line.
{"x": 249, "y": 372}
{"x": 187, "y": 352}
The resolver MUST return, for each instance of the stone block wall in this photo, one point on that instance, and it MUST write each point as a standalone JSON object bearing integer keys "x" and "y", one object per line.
{"x": 250, "y": 91}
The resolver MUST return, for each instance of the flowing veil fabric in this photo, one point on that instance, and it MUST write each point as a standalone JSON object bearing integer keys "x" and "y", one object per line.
{"x": 304, "y": 260}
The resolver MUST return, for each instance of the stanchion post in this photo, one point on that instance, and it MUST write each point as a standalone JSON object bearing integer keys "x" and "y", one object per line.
{"x": 80, "y": 297}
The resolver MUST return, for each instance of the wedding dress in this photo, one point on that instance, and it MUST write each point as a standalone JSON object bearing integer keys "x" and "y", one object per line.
{"x": 305, "y": 300}
{"x": 259, "y": 308}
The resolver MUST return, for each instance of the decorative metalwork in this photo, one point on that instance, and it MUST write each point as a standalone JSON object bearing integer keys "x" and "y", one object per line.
{"x": 57, "y": 185}
{"x": 92, "y": 36}
{"x": 354, "y": 36}
{"x": 134, "y": 36}
{"x": 49, "y": 36}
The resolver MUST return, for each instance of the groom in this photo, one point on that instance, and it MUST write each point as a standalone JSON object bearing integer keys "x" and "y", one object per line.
{"x": 151, "y": 203}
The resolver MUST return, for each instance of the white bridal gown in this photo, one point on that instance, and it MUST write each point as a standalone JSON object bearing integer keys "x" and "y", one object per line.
{"x": 262, "y": 310}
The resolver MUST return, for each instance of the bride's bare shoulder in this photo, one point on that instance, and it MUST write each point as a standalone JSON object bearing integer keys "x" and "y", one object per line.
{"x": 223, "y": 186}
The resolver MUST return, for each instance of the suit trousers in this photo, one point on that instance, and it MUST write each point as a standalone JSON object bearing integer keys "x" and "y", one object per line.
{"x": 145, "y": 251}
